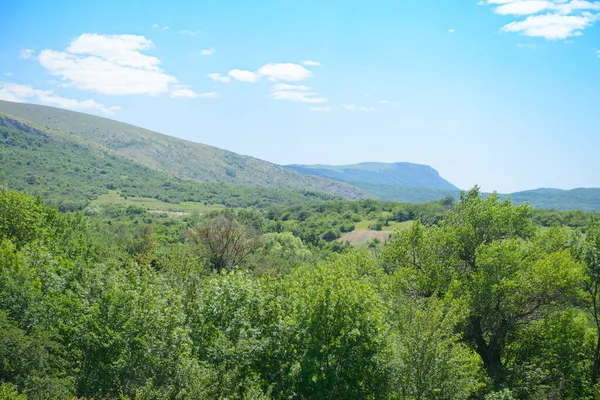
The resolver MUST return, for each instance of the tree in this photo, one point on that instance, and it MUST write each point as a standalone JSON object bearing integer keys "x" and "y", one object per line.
{"x": 589, "y": 253}
{"x": 429, "y": 361}
{"x": 22, "y": 217}
{"x": 337, "y": 317}
{"x": 282, "y": 252}
{"x": 226, "y": 242}
{"x": 483, "y": 252}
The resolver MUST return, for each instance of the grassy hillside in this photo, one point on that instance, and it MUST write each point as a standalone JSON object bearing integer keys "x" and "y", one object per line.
{"x": 68, "y": 171}
{"x": 396, "y": 174}
{"x": 173, "y": 156}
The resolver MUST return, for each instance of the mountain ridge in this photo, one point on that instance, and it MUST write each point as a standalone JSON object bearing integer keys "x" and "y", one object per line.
{"x": 177, "y": 157}
{"x": 395, "y": 174}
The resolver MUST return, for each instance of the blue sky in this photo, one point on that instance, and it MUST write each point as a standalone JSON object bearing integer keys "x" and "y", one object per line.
{"x": 500, "y": 93}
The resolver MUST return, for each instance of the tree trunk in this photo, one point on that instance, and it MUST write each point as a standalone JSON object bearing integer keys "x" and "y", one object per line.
{"x": 596, "y": 367}
{"x": 490, "y": 354}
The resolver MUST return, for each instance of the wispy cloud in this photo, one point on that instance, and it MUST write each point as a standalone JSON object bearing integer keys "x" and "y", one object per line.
{"x": 215, "y": 76}
{"x": 183, "y": 92}
{"x": 208, "y": 52}
{"x": 244, "y": 76}
{"x": 296, "y": 93}
{"x": 285, "y": 86}
{"x": 526, "y": 46}
{"x": 301, "y": 97}
{"x": 162, "y": 28}
{"x": 25, "y": 54}
{"x": 190, "y": 33}
{"x": 280, "y": 73}
{"x": 286, "y": 72}
{"x": 109, "y": 64}
{"x": 310, "y": 63}
{"x": 548, "y": 19}
{"x": 8, "y": 74}
{"x": 450, "y": 30}
{"x": 354, "y": 107}
{"x": 25, "y": 93}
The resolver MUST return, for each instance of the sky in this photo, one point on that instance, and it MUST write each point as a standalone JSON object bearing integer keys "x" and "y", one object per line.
{"x": 500, "y": 93}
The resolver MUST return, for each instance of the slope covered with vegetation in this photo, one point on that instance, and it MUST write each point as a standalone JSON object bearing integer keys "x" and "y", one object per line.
{"x": 584, "y": 199}
{"x": 175, "y": 157}
{"x": 69, "y": 172}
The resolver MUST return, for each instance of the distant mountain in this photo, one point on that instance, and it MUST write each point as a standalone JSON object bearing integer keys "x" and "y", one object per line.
{"x": 395, "y": 182}
{"x": 172, "y": 156}
{"x": 584, "y": 199}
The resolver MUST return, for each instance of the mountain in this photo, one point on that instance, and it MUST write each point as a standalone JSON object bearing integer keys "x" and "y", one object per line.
{"x": 172, "y": 156}
{"x": 401, "y": 181}
{"x": 584, "y": 199}
{"x": 68, "y": 172}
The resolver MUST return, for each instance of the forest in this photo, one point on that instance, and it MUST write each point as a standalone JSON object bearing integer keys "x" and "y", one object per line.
{"x": 478, "y": 298}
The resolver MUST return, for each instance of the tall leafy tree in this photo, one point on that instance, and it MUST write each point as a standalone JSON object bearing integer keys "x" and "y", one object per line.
{"x": 589, "y": 253}
{"x": 483, "y": 252}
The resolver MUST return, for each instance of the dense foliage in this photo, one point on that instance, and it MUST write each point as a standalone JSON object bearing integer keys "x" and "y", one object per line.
{"x": 475, "y": 302}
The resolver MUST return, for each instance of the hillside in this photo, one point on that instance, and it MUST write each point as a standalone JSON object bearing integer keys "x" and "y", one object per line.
{"x": 584, "y": 199}
{"x": 68, "y": 172}
{"x": 405, "y": 182}
{"x": 175, "y": 157}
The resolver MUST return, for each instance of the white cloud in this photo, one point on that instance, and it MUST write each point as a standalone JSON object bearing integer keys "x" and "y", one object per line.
{"x": 524, "y": 7}
{"x": 273, "y": 71}
{"x": 189, "y": 33}
{"x": 207, "y": 52}
{"x": 24, "y": 93}
{"x": 215, "y": 76}
{"x": 119, "y": 49}
{"x": 450, "y": 30}
{"x": 526, "y": 46}
{"x": 277, "y": 72}
{"x": 576, "y": 5}
{"x": 285, "y": 86}
{"x": 8, "y": 74}
{"x": 155, "y": 26}
{"x": 209, "y": 95}
{"x": 354, "y": 107}
{"x": 26, "y": 54}
{"x": 182, "y": 92}
{"x": 561, "y": 19}
{"x": 598, "y": 53}
{"x": 109, "y": 64}
{"x": 244, "y": 76}
{"x": 385, "y": 101}
{"x": 551, "y": 26}
{"x": 298, "y": 96}
{"x": 322, "y": 109}
{"x": 310, "y": 63}
{"x": 165, "y": 28}
{"x": 284, "y": 72}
